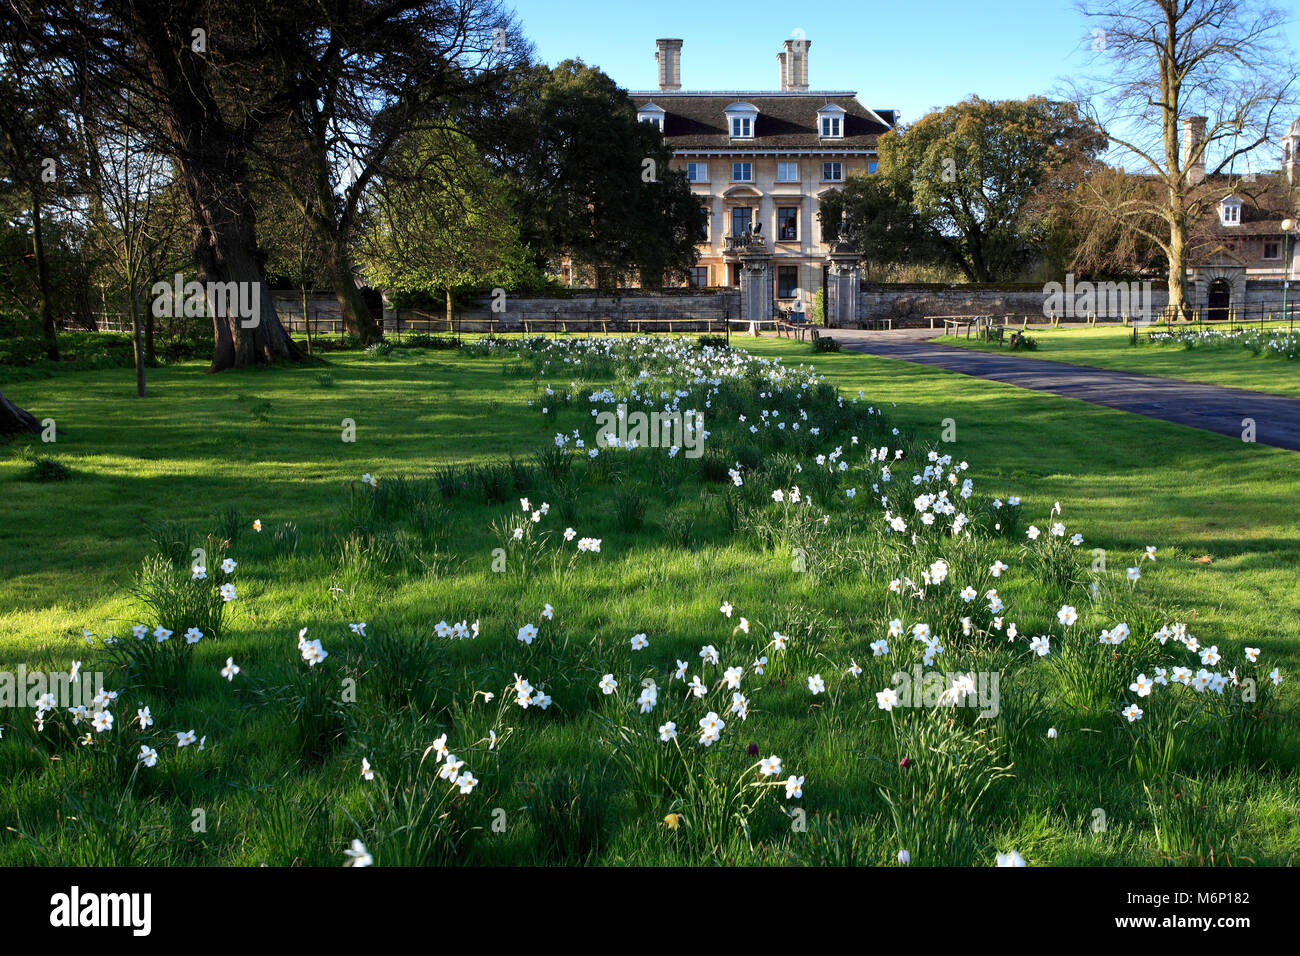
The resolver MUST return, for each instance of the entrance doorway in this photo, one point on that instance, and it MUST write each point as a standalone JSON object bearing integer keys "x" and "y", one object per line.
{"x": 1218, "y": 300}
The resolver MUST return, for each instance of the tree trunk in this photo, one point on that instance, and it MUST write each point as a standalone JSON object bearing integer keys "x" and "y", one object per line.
{"x": 43, "y": 279}
{"x": 356, "y": 314}
{"x": 212, "y": 160}
{"x": 306, "y": 320}
{"x": 229, "y": 241}
{"x": 137, "y": 341}
{"x": 1179, "y": 307}
{"x": 16, "y": 421}
{"x": 449, "y": 312}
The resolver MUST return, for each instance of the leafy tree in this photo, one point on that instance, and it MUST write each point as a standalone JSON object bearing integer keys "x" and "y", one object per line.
{"x": 964, "y": 185}
{"x": 444, "y": 220}
{"x": 591, "y": 182}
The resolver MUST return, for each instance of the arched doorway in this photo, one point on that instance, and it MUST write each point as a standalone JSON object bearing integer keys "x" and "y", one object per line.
{"x": 1218, "y": 299}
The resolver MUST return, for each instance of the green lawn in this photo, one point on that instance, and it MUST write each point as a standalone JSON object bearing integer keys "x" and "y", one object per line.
{"x": 1110, "y": 348}
{"x": 588, "y": 779}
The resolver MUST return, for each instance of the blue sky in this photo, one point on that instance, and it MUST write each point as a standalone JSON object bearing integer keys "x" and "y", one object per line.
{"x": 910, "y": 55}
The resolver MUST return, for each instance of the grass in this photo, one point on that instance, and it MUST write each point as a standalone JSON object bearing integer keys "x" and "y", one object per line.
{"x": 588, "y": 780}
{"x": 1110, "y": 348}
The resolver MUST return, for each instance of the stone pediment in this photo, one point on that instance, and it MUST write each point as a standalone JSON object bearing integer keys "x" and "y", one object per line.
{"x": 1221, "y": 258}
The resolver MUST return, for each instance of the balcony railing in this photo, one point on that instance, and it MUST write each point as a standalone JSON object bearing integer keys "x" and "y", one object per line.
{"x": 741, "y": 243}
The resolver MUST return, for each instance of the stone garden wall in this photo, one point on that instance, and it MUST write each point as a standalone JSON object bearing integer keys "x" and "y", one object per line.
{"x": 911, "y": 305}
{"x": 631, "y": 311}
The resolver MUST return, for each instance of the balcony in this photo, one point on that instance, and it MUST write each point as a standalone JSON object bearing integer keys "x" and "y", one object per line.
{"x": 735, "y": 245}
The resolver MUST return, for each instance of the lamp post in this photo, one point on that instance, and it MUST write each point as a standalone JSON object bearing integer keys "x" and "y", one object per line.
{"x": 1288, "y": 226}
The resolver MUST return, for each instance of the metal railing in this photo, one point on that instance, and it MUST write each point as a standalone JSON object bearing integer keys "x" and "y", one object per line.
{"x": 414, "y": 322}
{"x": 1228, "y": 320}
{"x": 735, "y": 244}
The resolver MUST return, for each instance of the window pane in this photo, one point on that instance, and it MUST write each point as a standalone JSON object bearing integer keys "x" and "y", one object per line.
{"x": 787, "y": 223}
{"x": 787, "y": 280}
{"x": 740, "y": 220}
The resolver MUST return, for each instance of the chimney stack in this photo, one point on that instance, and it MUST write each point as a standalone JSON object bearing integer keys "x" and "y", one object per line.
{"x": 669, "y": 57}
{"x": 1193, "y": 134}
{"x": 794, "y": 65}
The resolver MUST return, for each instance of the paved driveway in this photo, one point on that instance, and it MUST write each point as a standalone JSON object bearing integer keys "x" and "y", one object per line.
{"x": 1210, "y": 407}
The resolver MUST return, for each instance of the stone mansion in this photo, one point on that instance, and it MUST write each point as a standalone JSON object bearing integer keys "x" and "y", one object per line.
{"x": 762, "y": 161}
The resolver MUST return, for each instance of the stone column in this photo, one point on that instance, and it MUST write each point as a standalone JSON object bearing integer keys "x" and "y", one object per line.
{"x": 843, "y": 282}
{"x": 756, "y": 284}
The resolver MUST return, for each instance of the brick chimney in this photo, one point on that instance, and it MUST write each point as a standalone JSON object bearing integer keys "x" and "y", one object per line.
{"x": 794, "y": 65}
{"x": 669, "y": 57}
{"x": 1193, "y": 134}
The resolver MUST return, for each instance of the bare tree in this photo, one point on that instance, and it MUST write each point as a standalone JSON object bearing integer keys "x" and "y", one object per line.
{"x": 130, "y": 178}
{"x": 1182, "y": 82}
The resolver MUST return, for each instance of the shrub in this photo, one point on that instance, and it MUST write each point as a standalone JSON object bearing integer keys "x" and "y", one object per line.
{"x": 713, "y": 342}
{"x": 1020, "y": 342}
{"x": 824, "y": 343}
{"x": 422, "y": 340}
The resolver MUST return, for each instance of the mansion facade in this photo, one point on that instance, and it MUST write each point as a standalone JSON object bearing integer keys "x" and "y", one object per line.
{"x": 761, "y": 162}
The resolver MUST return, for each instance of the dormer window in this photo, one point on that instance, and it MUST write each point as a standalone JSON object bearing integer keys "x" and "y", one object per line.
{"x": 653, "y": 115}
{"x": 1230, "y": 211}
{"x": 830, "y": 122}
{"x": 741, "y": 120}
